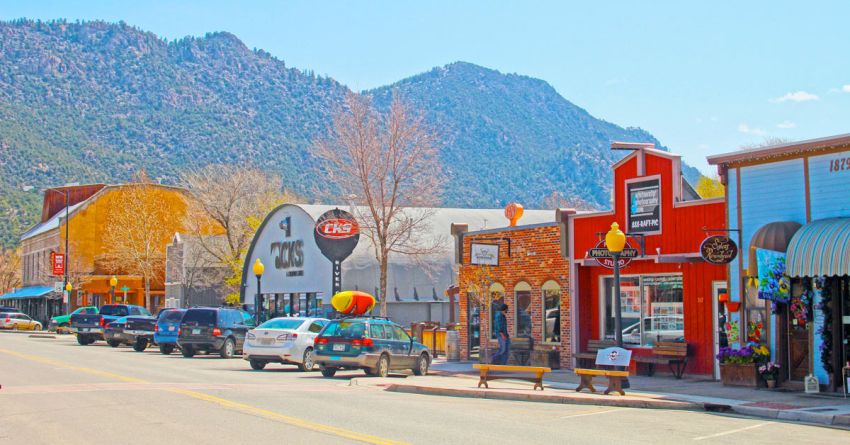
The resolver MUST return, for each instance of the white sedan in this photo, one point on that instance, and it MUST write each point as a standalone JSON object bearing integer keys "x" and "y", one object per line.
{"x": 283, "y": 340}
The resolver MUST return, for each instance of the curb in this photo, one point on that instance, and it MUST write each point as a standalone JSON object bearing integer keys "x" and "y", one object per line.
{"x": 8, "y": 331}
{"x": 840, "y": 420}
{"x": 544, "y": 398}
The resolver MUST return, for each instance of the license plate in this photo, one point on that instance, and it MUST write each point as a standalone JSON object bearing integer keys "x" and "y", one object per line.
{"x": 196, "y": 331}
{"x": 134, "y": 332}
{"x": 339, "y": 347}
{"x": 266, "y": 341}
{"x": 334, "y": 357}
{"x": 171, "y": 328}
{"x": 84, "y": 329}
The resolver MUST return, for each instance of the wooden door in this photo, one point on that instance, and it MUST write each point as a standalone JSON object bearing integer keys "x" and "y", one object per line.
{"x": 798, "y": 351}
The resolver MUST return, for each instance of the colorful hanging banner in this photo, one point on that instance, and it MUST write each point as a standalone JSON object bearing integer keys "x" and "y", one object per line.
{"x": 773, "y": 284}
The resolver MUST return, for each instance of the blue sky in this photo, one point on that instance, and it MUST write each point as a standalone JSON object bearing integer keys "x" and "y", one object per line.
{"x": 703, "y": 78}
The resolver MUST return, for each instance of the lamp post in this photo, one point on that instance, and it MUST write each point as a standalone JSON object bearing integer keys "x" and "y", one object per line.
{"x": 112, "y": 283}
{"x": 258, "y": 304}
{"x": 68, "y": 289}
{"x": 615, "y": 241}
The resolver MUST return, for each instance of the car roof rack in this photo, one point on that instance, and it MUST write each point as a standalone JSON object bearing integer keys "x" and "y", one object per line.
{"x": 376, "y": 317}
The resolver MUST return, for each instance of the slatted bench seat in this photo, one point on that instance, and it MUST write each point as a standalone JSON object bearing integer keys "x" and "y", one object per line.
{"x": 486, "y": 375}
{"x": 672, "y": 353}
{"x": 592, "y": 347}
{"x": 606, "y": 361}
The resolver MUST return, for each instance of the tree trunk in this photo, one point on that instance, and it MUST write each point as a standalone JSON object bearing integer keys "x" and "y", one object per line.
{"x": 383, "y": 284}
{"x": 148, "y": 293}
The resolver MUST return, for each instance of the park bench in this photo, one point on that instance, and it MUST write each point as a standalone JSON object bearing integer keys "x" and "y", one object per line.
{"x": 592, "y": 347}
{"x": 608, "y": 358}
{"x": 486, "y": 376}
{"x": 672, "y": 353}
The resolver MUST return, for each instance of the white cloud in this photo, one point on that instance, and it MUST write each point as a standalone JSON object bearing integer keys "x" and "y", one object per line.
{"x": 797, "y": 96}
{"x": 786, "y": 125}
{"x": 746, "y": 129}
{"x": 846, "y": 88}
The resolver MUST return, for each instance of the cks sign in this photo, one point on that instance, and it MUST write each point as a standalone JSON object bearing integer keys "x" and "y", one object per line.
{"x": 337, "y": 228}
{"x": 337, "y": 233}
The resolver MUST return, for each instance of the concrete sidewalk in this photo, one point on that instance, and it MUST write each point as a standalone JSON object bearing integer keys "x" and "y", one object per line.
{"x": 665, "y": 392}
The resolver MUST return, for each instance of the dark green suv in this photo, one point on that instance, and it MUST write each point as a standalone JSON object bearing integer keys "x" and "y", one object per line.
{"x": 376, "y": 345}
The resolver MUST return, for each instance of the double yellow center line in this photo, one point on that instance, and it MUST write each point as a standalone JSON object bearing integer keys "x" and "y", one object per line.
{"x": 224, "y": 403}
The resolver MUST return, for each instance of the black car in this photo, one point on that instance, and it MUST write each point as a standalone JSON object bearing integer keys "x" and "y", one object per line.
{"x": 208, "y": 329}
{"x": 114, "y": 333}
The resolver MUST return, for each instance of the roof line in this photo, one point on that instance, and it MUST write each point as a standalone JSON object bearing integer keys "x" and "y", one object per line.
{"x": 780, "y": 149}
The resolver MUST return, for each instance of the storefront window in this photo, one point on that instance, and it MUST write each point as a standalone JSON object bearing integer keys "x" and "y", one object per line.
{"x": 652, "y": 309}
{"x": 551, "y": 312}
{"x": 755, "y": 316}
{"x": 497, "y": 298}
{"x": 522, "y": 297}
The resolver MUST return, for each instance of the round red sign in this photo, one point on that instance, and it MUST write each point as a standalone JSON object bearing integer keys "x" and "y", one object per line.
{"x": 337, "y": 228}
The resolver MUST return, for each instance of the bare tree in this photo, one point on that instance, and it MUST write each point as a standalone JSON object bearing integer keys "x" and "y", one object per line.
{"x": 387, "y": 166}
{"x": 557, "y": 200}
{"x": 237, "y": 199}
{"x": 10, "y": 269}
{"x": 137, "y": 229}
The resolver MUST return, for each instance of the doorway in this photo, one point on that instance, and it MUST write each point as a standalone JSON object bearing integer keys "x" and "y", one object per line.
{"x": 473, "y": 316}
{"x": 721, "y": 340}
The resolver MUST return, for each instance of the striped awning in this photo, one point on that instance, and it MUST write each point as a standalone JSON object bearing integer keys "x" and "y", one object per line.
{"x": 820, "y": 248}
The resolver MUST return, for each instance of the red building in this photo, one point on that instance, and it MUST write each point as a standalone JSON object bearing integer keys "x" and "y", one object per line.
{"x": 671, "y": 292}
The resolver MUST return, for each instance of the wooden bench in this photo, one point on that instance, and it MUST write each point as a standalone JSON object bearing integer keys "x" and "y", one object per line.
{"x": 672, "y": 353}
{"x": 520, "y": 352}
{"x": 487, "y": 376}
{"x": 609, "y": 358}
{"x": 592, "y": 347}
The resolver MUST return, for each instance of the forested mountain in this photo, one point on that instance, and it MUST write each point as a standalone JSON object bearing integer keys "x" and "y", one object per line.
{"x": 94, "y": 101}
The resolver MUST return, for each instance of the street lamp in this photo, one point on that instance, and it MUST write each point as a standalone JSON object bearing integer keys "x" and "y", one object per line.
{"x": 258, "y": 305}
{"x": 615, "y": 241}
{"x": 68, "y": 288}
{"x": 112, "y": 283}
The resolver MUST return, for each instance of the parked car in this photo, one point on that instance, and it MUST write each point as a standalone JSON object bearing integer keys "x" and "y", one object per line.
{"x": 165, "y": 330}
{"x": 656, "y": 328}
{"x": 90, "y": 327}
{"x": 141, "y": 328}
{"x": 375, "y": 345}
{"x": 18, "y": 321}
{"x": 115, "y": 333}
{"x": 283, "y": 340}
{"x": 62, "y": 323}
{"x": 213, "y": 329}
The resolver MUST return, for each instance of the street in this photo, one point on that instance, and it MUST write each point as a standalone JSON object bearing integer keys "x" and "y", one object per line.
{"x": 55, "y": 391}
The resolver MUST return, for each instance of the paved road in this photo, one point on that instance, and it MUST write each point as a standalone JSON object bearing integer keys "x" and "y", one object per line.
{"x": 55, "y": 391}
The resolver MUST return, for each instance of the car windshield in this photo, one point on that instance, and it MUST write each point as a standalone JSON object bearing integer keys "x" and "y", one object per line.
{"x": 200, "y": 316}
{"x": 282, "y": 323}
{"x": 345, "y": 329}
{"x": 122, "y": 320}
{"x": 120, "y": 311}
{"x": 172, "y": 316}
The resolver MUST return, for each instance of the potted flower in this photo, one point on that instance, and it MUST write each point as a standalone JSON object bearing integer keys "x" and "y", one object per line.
{"x": 738, "y": 366}
{"x": 769, "y": 371}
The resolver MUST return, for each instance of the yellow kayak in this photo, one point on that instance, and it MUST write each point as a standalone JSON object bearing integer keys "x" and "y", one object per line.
{"x": 352, "y": 302}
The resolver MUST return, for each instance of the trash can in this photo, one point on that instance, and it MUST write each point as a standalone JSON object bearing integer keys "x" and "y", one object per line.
{"x": 452, "y": 346}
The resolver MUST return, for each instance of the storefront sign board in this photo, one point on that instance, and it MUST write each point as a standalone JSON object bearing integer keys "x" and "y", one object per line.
{"x": 484, "y": 254}
{"x": 643, "y": 210}
{"x": 57, "y": 263}
{"x": 337, "y": 233}
{"x": 718, "y": 249}
{"x": 603, "y": 257}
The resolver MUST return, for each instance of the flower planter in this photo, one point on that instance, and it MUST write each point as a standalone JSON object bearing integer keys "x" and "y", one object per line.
{"x": 739, "y": 374}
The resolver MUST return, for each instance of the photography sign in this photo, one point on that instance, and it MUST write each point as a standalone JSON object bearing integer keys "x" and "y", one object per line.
{"x": 718, "y": 249}
{"x": 484, "y": 254}
{"x": 337, "y": 234}
{"x": 603, "y": 256}
{"x": 644, "y": 206}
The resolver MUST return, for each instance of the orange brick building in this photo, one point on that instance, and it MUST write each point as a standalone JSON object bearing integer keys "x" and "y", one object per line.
{"x": 523, "y": 267}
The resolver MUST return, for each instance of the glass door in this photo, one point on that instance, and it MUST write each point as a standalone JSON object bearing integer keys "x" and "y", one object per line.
{"x": 721, "y": 339}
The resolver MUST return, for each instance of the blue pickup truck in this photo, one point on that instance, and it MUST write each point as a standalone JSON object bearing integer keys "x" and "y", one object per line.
{"x": 89, "y": 327}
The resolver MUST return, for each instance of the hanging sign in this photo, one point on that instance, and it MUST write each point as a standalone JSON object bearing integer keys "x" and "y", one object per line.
{"x": 644, "y": 206}
{"x": 718, "y": 249}
{"x": 337, "y": 234}
{"x": 57, "y": 263}
{"x": 604, "y": 258}
{"x": 484, "y": 254}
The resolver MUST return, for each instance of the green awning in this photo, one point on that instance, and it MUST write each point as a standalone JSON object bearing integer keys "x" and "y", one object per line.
{"x": 820, "y": 248}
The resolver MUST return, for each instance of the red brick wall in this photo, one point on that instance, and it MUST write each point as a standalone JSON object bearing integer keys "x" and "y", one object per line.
{"x": 535, "y": 258}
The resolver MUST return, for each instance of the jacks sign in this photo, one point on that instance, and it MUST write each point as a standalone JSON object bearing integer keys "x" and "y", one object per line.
{"x": 337, "y": 234}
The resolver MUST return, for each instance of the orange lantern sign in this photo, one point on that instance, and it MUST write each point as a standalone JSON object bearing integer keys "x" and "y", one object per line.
{"x": 513, "y": 212}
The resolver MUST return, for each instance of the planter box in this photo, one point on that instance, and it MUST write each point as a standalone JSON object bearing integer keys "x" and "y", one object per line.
{"x": 744, "y": 374}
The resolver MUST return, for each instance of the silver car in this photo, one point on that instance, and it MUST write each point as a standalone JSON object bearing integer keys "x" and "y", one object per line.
{"x": 283, "y": 340}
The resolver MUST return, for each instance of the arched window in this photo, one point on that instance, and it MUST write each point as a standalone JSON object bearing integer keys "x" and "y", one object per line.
{"x": 551, "y": 291}
{"x": 522, "y": 305}
{"x": 497, "y": 298}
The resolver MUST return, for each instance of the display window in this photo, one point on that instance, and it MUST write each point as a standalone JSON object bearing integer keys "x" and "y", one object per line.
{"x": 652, "y": 309}
{"x": 551, "y": 291}
{"x": 497, "y": 297}
{"x": 522, "y": 303}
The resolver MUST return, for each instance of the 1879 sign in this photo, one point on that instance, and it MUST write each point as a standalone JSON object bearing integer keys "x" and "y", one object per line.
{"x": 718, "y": 249}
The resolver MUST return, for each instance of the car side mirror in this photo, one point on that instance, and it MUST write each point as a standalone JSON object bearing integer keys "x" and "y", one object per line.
{"x": 414, "y": 339}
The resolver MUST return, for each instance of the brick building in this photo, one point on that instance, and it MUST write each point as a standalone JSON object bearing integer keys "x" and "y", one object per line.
{"x": 522, "y": 266}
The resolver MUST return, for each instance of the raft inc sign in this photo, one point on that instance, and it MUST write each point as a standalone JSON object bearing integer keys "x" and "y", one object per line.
{"x": 644, "y": 206}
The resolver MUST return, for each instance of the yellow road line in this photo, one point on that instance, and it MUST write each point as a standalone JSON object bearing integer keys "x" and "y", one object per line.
{"x": 229, "y": 404}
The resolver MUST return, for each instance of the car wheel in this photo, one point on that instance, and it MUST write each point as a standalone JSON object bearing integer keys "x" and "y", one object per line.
{"x": 188, "y": 351}
{"x": 83, "y": 340}
{"x": 421, "y": 367}
{"x": 14, "y": 327}
{"x": 62, "y": 329}
{"x": 383, "y": 368}
{"x": 113, "y": 343}
{"x": 327, "y": 371}
{"x": 36, "y": 327}
{"x": 307, "y": 361}
{"x": 228, "y": 349}
{"x": 140, "y": 345}
{"x": 166, "y": 349}
{"x": 257, "y": 365}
